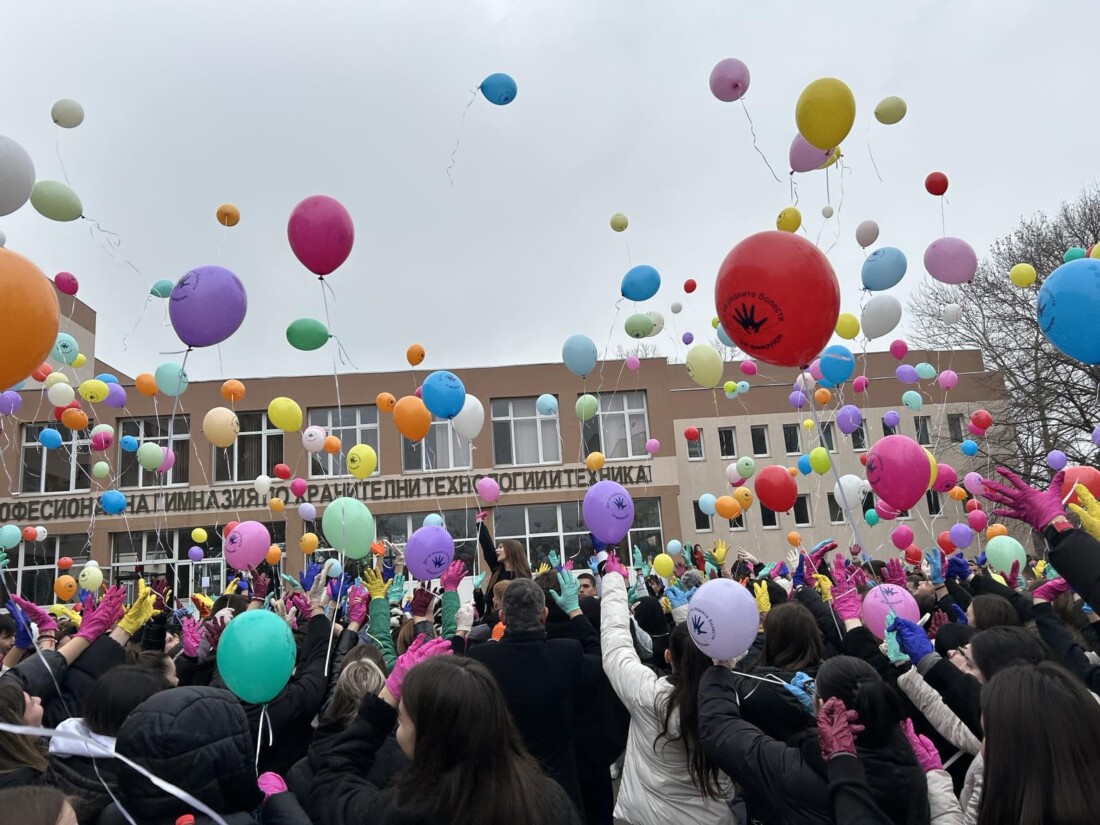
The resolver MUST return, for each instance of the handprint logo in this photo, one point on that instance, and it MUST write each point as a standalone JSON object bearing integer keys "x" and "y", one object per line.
{"x": 697, "y": 625}
{"x": 437, "y": 561}
{"x": 620, "y": 506}
{"x": 745, "y": 315}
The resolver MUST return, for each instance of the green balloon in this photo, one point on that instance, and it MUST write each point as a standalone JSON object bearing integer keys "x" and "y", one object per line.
{"x": 1001, "y": 551}
{"x": 171, "y": 379}
{"x": 256, "y": 656}
{"x": 150, "y": 455}
{"x": 925, "y": 371}
{"x": 161, "y": 289}
{"x": 100, "y": 469}
{"x": 307, "y": 334}
{"x": 1072, "y": 254}
{"x": 349, "y": 527}
{"x": 639, "y": 325}
{"x": 871, "y": 517}
{"x": 587, "y": 406}
{"x": 56, "y": 201}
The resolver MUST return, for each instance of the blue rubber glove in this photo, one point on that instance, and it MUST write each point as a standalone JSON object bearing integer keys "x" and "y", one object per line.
{"x": 594, "y": 565}
{"x": 800, "y": 572}
{"x": 23, "y": 639}
{"x": 935, "y": 566}
{"x": 554, "y": 560}
{"x": 960, "y": 615}
{"x": 783, "y": 569}
{"x": 397, "y": 589}
{"x": 912, "y": 639}
{"x": 981, "y": 560}
{"x": 597, "y": 545}
{"x": 677, "y": 597}
{"x": 567, "y": 596}
{"x": 306, "y": 577}
{"x": 957, "y": 568}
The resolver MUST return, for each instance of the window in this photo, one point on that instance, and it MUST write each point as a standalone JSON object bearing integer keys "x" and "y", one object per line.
{"x": 759, "y": 439}
{"x": 802, "y": 511}
{"x": 702, "y": 520}
{"x": 828, "y": 436}
{"x": 888, "y": 429}
{"x": 859, "y": 438}
{"x": 934, "y": 505}
{"x": 619, "y": 429}
{"x": 869, "y": 502}
{"x": 923, "y": 424}
{"x": 695, "y": 448}
{"x": 792, "y": 439}
{"x": 258, "y": 448}
{"x": 769, "y": 518}
{"x": 352, "y": 425}
{"x": 738, "y": 523}
{"x": 155, "y": 429}
{"x": 64, "y": 469}
{"x": 727, "y": 442}
{"x": 36, "y": 570}
{"x": 836, "y": 511}
{"x": 522, "y": 435}
{"x": 955, "y": 427}
{"x": 441, "y": 449}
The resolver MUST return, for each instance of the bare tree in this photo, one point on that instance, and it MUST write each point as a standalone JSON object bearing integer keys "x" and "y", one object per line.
{"x": 642, "y": 349}
{"x": 1051, "y": 398}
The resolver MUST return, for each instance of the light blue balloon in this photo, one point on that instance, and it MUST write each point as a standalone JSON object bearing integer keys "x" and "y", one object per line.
{"x": 10, "y": 536}
{"x": 443, "y": 393}
{"x": 17, "y": 387}
{"x": 743, "y": 387}
{"x": 912, "y": 400}
{"x": 547, "y": 404}
{"x": 50, "y": 438}
{"x": 128, "y": 443}
{"x": 732, "y": 395}
{"x": 804, "y": 465}
{"x": 499, "y": 89}
{"x": 433, "y": 520}
{"x": 162, "y": 288}
{"x": 1069, "y": 303}
{"x": 641, "y": 283}
{"x": 674, "y": 547}
{"x": 106, "y": 378}
{"x": 724, "y": 337}
{"x": 925, "y": 371}
{"x": 579, "y": 355}
{"x": 884, "y": 268}
{"x": 969, "y": 447}
{"x": 706, "y": 503}
{"x": 65, "y": 349}
{"x": 837, "y": 364}
{"x": 171, "y": 379}
{"x": 113, "y": 502}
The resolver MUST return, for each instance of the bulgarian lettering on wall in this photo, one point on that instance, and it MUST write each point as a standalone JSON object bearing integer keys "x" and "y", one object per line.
{"x": 383, "y": 489}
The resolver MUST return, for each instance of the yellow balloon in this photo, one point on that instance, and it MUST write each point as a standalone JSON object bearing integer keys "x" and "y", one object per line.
{"x": 308, "y": 542}
{"x": 662, "y": 565}
{"x": 789, "y": 220}
{"x": 198, "y": 535}
{"x": 932, "y": 466}
{"x": 285, "y": 414}
{"x": 80, "y": 360}
{"x": 1095, "y": 251}
{"x": 1023, "y": 275}
{"x": 704, "y": 365}
{"x": 276, "y": 504}
{"x": 890, "y": 110}
{"x": 743, "y": 496}
{"x": 833, "y": 158}
{"x": 228, "y": 215}
{"x": 362, "y": 460}
{"x": 619, "y": 222}
{"x": 825, "y": 112}
{"x": 220, "y": 426}
{"x": 93, "y": 390}
{"x": 847, "y": 326}
{"x": 819, "y": 460}
{"x": 807, "y": 423}
{"x": 594, "y": 461}
{"x": 55, "y": 378}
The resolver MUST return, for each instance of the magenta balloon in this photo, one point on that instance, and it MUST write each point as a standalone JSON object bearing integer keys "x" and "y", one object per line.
{"x": 487, "y": 489}
{"x": 168, "y": 460}
{"x": 946, "y": 478}
{"x": 608, "y": 511}
{"x": 948, "y": 379}
{"x": 885, "y": 511}
{"x": 321, "y": 234}
{"x": 652, "y": 446}
{"x": 977, "y": 520}
{"x": 748, "y": 368}
{"x": 848, "y": 419}
{"x": 246, "y": 545}
{"x": 729, "y": 79}
{"x": 66, "y": 283}
{"x": 974, "y": 429}
{"x": 881, "y": 600}
{"x": 973, "y": 483}
{"x": 102, "y": 440}
{"x": 116, "y": 396}
{"x": 859, "y": 384}
{"x": 723, "y": 619}
{"x": 298, "y": 487}
{"x": 899, "y": 349}
{"x": 429, "y": 552}
{"x": 815, "y": 369}
{"x": 951, "y": 260}
{"x": 898, "y": 471}
{"x": 807, "y": 158}
{"x": 207, "y": 305}
{"x": 632, "y": 363}
{"x": 961, "y": 535}
{"x": 901, "y": 536}
{"x": 306, "y": 511}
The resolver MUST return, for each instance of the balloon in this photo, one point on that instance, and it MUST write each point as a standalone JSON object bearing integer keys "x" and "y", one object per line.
{"x": 633, "y": 363}
{"x": 674, "y": 548}
{"x": 228, "y": 215}
{"x": 819, "y": 460}
{"x": 883, "y": 599}
{"x": 723, "y": 619}
{"x": 1089, "y": 476}
{"x": 866, "y": 233}
{"x": 113, "y": 502}
{"x": 729, "y": 79}
{"x": 871, "y": 517}
{"x": 663, "y": 565}
{"x": 775, "y": 488}
{"x": 825, "y": 112}
{"x": 415, "y": 355}
{"x": 884, "y": 268}
{"x": 995, "y": 530}
{"x": 849, "y": 491}
{"x": 727, "y": 507}
{"x": 1002, "y": 550}
{"x": 262, "y": 484}
{"x": 68, "y": 114}
{"x": 690, "y": 285}
{"x": 220, "y": 426}
{"x": 470, "y": 419}
{"x": 321, "y": 234}
{"x": 778, "y": 297}
{"x": 90, "y": 578}
{"x": 640, "y": 283}
{"x": 977, "y": 520}
{"x": 93, "y": 390}
{"x": 745, "y": 467}
{"x": 64, "y": 587}
{"x": 10, "y": 402}
{"x": 195, "y": 554}
{"x": 936, "y": 183}
{"x": 677, "y": 307}
{"x": 639, "y": 325}
{"x": 619, "y": 222}
{"x": 837, "y": 364}
{"x": 23, "y": 287}
{"x": 1068, "y": 300}
{"x": 308, "y": 542}
{"x": 306, "y": 511}
{"x": 40, "y": 535}
{"x": 17, "y": 178}
{"x": 951, "y": 260}
{"x": 60, "y": 394}
{"x": 951, "y": 313}
{"x": 256, "y": 655}
{"x": 925, "y": 371}
{"x": 149, "y": 455}
{"x": 66, "y": 283}
{"x": 428, "y": 552}
{"x": 285, "y": 414}
{"x": 659, "y": 323}
{"x": 307, "y": 334}
{"x": 901, "y": 536}
{"x": 3, "y": 239}
{"x": 313, "y": 439}
{"x": 652, "y": 446}
{"x": 847, "y": 326}
{"x": 207, "y": 305}
{"x": 706, "y": 503}
{"x": 487, "y": 489}
{"x": 1056, "y": 459}
{"x": 246, "y": 545}
{"x": 743, "y": 496}
{"x": 587, "y": 406}
{"x": 171, "y": 379}
{"x": 848, "y": 419}
{"x": 912, "y": 400}
{"x": 704, "y": 365}
{"x": 298, "y": 487}
{"x": 443, "y": 394}
{"x": 890, "y": 110}
{"x": 880, "y": 316}
{"x": 946, "y": 478}
{"x": 499, "y": 89}
{"x": 101, "y": 469}
{"x": 969, "y": 447}
{"x": 806, "y": 158}
{"x": 362, "y": 460}
{"x": 349, "y": 527}
{"x": 898, "y": 471}
{"x": 64, "y": 349}
{"x": 579, "y": 355}
{"x": 594, "y": 461}
{"x": 1022, "y": 275}
{"x": 546, "y": 404}
{"x": 687, "y": 338}
{"x": 49, "y": 438}
{"x": 982, "y": 419}
{"x": 162, "y": 288}
{"x": 748, "y": 368}
{"x": 282, "y": 471}
{"x": 860, "y": 383}
{"x": 74, "y": 419}
{"x": 803, "y": 465}
{"x": 276, "y": 504}
{"x": 960, "y": 534}
{"x": 789, "y": 220}
{"x": 56, "y": 201}
{"x": 608, "y": 511}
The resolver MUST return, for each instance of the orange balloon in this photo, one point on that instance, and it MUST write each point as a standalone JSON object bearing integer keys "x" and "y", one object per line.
{"x": 308, "y": 542}
{"x": 64, "y": 587}
{"x": 74, "y": 419}
{"x": 228, "y": 215}
{"x": 146, "y": 384}
{"x": 793, "y": 538}
{"x": 994, "y": 530}
{"x": 823, "y": 397}
{"x": 276, "y": 505}
{"x": 274, "y": 554}
{"x": 232, "y": 390}
{"x": 957, "y": 493}
{"x": 414, "y": 354}
{"x": 30, "y": 328}
{"x": 385, "y": 401}
{"x": 331, "y": 445}
{"x": 727, "y": 507}
{"x": 412, "y": 418}
{"x": 743, "y": 496}
{"x": 793, "y": 471}
{"x": 41, "y": 372}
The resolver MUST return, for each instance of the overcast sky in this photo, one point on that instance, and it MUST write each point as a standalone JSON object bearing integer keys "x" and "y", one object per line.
{"x": 264, "y": 102}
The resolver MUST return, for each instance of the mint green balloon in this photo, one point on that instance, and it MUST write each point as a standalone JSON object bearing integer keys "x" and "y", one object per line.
{"x": 150, "y": 455}
{"x": 349, "y": 527}
{"x": 56, "y": 201}
{"x": 101, "y": 469}
{"x": 256, "y": 656}
{"x": 161, "y": 289}
{"x": 587, "y": 406}
{"x": 1001, "y": 551}
{"x": 171, "y": 379}
{"x": 912, "y": 400}
{"x": 639, "y": 325}
{"x": 871, "y": 517}
{"x": 307, "y": 334}
{"x": 925, "y": 371}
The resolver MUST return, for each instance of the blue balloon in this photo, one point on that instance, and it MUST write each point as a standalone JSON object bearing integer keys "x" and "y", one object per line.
{"x": 106, "y": 378}
{"x": 171, "y": 379}
{"x": 50, "y": 438}
{"x": 17, "y": 387}
{"x": 443, "y": 394}
{"x": 547, "y": 404}
{"x": 732, "y": 395}
{"x": 128, "y": 443}
{"x": 675, "y": 548}
{"x": 113, "y": 502}
{"x": 804, "y": 465}
{"x": 10, "y": 536}
{"x": 969, "y": 447}
{"x": 1069, "y": 301}
{"x": 65, "y": 349}
{"x": 837, "y": 364}
{"x": 724, "y": 337}
{"x": 706, "y": 503}
{"x": 641, "y": 283}
{"x": 499, "y": 89}
{"x": 884, "y": 268}
{"x": 433, "y": 520}
{"x": 743, "y": 387}
{"x": 579, "y": 355}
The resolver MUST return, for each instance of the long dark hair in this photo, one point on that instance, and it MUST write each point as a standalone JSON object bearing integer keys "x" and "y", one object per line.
{"x": 688, "y": 666}
{"x": 1054, "y": 782}
{"x": 32, "y": 804}
{"x": 458, "y": 710}
{"x": 16, "y": 750}
{"x": 116, "y": 693}
{"x": 995, "y": 649}
{"x": 991, "y": 610}
{"x": 792, "y": 639}
{"x": 514, "y": 553}
{"x": 860, "y": 687}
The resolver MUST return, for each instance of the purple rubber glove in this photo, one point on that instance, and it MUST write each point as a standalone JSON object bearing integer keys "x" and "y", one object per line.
{"x": 421, "y": 602}
{"x": 35, "y": 614}
{"x": 335, "y": 589}
{"x": 261, "y": 584}
{"x": 358, "y": 598}
{"x": 306, "y": 577}
{"x": 894, "y": 573}
{"x": 927, "y": 756}
{"x": 837, "y": 728}
{"x": 100, "y": 620}
{"x": 418, "y": 651}
{"x": 1036, "y": 508}
{"x": 957, "y": 568}
{"x": 453, "y": 576}
{"x": 1050, "y": 591}
{"x": 270, "y": 783}
{"x": 190, "y": 635}
{"x": 912, "y": 639}
{"x": 613, "y": 565}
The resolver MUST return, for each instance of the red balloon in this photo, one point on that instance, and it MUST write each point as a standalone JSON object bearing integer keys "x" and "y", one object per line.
{"x": 972, "y": 505}
{"x": 913, "y": 555}
{"x": 981, "y": 419}
{"x": 778, "y": 298}
{"x": 936, "y": 183}
{"x": 945, "y": 543}
{"x": 29, "y": 533}
{"x": 691, "y": 434}
{"x": 775, "y": 488}
{"x": 60, "y": 411}
{"x": 689, "y": 285}
{"x": 282, "y": 471}
{"x": 64, "y": 563}
{"x": 229, "y": 528}
{"x": 863, "y": 459}
{"x": 41, "y": 373}
{"x": 1089, "y": 476}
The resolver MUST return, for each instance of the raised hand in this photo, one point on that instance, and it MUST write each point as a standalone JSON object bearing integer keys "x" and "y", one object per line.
{"x": 397, "y": 589}
{"x": 817, "y": 553}
{"x": 567, "y": 596}
{"x": 912, "y": 639}
{"x": 103, "y": 617}
{"x": 212, "y": 630}
{"x": 261, "y": 584}
{"x": 939, "y": 619}
{"x": 190, "y": 635}
{"x": 554, "y": 559}
{"x": 1049, "y": 591}
{"x": 307, "y": 576}
{"x": 375, "y": 585}
{"x": 763, "y": 599}
{"x": 927, "y": 756}
{"x": 935, "y": 565}
{"x": 837, "y": 728}
{"x": 542, "y": 568}
{"x": 452, "y": 577}
{"x": 957, "y": 568}
{"x": 35, "y": 614}
{"x": 1088, "y": 511}
{"x": 824, "y": 587}
{"x": 612, "y": 565}
{"x": 23, "y": 638}
{"x": 420, "y": 650}
{"x": 677, "y": 597}
{"x": 1036, "y": 508}
{"x": 1012, "y": 575}
{"x": 422, "y": 599}
{"x": 162, "y": 595}
{"x": 960, "y": 615}
{"x": 203, "y": 604}
{"x": 893, "y": 650}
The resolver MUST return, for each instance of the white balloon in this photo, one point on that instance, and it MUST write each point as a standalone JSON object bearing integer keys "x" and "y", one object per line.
{"x": 826, "y": 212}
{"x": 952, "y": 313}
{"x": 16, "y": 176}
{"x": 313, "y": 438}
{"x": 262, "y": 484}
{"x": 732, "y": 474}
{"x": 60, "y": 394}
{"x": 470, "y": 419}
{"x": 658, "y": 323}
{"x": 3, "y": 238}
{"x": 866, "y": 233}
{"x": 677, "y": 307}
{"x": 880, "y": 316}
{"x": 852, "y": 487}
{"x": 68, "y": 114}
{"x": 40, "y": 534}
{"x": 805, "y": 382}
{"x": 88, "y": 563}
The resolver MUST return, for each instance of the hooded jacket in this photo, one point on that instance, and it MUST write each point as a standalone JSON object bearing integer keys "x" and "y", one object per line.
{"x": 80, "y": 763}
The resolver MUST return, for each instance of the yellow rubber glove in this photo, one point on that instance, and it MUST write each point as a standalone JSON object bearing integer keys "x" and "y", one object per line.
{"x": 665, "y": 606}
{"x": 824, "y": 587}
{"x": 61, "y": 611}
{"x": 1090, "y": 513}
{"x": 376, "y": 586}
{"x": 719, "y": 552}
{"x": 760, "y": 593}
{"x": 140, "y": 611}
{"x": 203, "y": 603}
{"x": 1040, "y": 567}
{"x": 542, "y": 568}
{"x": 231, "y": 588}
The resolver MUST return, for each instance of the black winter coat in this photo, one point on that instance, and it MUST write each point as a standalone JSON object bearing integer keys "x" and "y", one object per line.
{"x": 75, "y": 776}
{"x": 770, "y": 706}
{"x": 388, "y": 762}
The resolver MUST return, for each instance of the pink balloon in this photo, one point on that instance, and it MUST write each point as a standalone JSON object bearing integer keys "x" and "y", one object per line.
{"x": 487, "y": 489}
{"x": 881, "y": 600}
{"x": 973, "y": 483}
{"x": 632, "y": 363}
{"x": 946, "y": 478}
{"x": 899, "y": 349}
{"x": 652, "y": 446}
{"x": 947, "y": 379}
{"x": 974, "y": 429}
{"x": 860, "y": 383}
{"x": 102, "y": 440}
{"x": 729, "y": 79}
{"x": 901, "y": 536}
{"x": 748, "y": 368}
{"x": 246, "y": 545}
{"x": 815, "y": 369}
{"x": 416, "y": 392}
{"x": 321, "y": 234}
{"x": 298, "y": 487}
{"x": 951, "y": 260}
{"x": 807, "y": 158}
{"x": 168, "y": 461}
{"x": 66, "y": 283}
{"x": 898, "y": 471}
{"x": 885, "y": 511}
{"x": 977, "y": 520}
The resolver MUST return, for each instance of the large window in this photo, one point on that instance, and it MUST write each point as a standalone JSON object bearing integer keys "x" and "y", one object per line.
{"x": 522, "y": 435}
{"x": 859, "y": 438}
{"x": 802, "y": 511}
{"x": 34, "y": 564}
{"x": 956, "y": 426}
{"x": 702, "y": 520}
{"x": 727, "y": 442}
{"x": 64, "y": 469}
{"x": 696, "y": 452}
{"x": 769, "y": 518}
{"x": 155, "y": 430}
{"x": 759, "y": 434}
{"x": 441, "y": 449}
{"x": 828, "y": 436}
{"x": 397, "y": 527}
{"x": 934, "y": 504}
{"x": 923, "y": 425}
{"x": 836, "y": 511}
{"x": 619, "y": 429}
{"x": 352, "y": 425}
{"x": 792, "y": 439}
{"x": 258, "y": 448}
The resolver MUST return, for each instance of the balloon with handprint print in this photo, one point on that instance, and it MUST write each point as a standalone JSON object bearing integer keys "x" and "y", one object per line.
{"x": 429, "y": 551}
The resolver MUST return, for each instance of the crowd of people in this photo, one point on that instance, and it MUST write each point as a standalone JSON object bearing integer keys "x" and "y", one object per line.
{"x": 562, "y": 696}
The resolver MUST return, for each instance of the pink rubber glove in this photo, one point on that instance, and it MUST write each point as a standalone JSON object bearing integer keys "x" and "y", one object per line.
{"x": 100, "y": 620}
{"x": 858, "y": 578}
{"x": 270, "y": 783}
{"x": 839, "y": 574}
{"x": 418, "y": 651}
{"x": 481, "y": 517}
{"x": 613, "y": 565}
{"x": 1050, "y": 590}
{"x": 837, "y": 728}
{"x": 847, "y": 604}
{"x": 358, "y": 597}
{"x": 298, "y": 600}
{"x": 1036, "y": 508}
{"x": 927, "y": 756}
{"x": 190, "y": 636}
{"x": 817, "y": 554}
{"x": 568, "y": 565}
{"x": 35, "y": 614}
{"x": 1012, "y": 575}
{"x": 453, "y": 576}
{"x": 894, "y": 573}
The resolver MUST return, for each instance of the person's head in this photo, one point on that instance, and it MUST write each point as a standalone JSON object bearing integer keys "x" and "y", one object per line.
{"x": 691, "y": 578}
{"x": 548, "y": 580}
{"x": 159, "y": 661}
{"x": 792, "y": 640}
{"x": 36, "y": 805}
{"x": 19, "y": 708}
{"x": 524, "y": 606}
{"x": 498, "y": 593}
{"x": 1044, "y": 771}
{"x": 235, "y": 601}
{"x": 587, "y": 584}
{"x": 991, "y": 651}
{"x": 988, "y": 610}
{"x": 7, "y": 633}
{"x": 116, "y": 693}
{"x": 514, "y": 557}
{"x": 952, "y": 636}
{"x": 357, "y": 679}
{"x": 370, "y": 652}
{"x": 924, "y": 592}
{"x": 861, "y": 689}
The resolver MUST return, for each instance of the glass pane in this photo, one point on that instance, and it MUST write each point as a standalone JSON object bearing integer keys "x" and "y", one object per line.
{"x": 410, "y": 455}
{"x": 827, "y": 436}
{"x": 614, "y": 433}
{"x": 590, "y": 431}
{"x": 318, "y": 417}
{"x": 647, "y": 512}
{"x": 859, "y": 438}
{"x": 542, "y": 518}
{"x": 550, "y": 445}
{"x": 575, "y": 547}
{"x": 727, "y": 442}
{"x": 31, "y": 481}
{"x": 790, "y": 439}
{"x": 768, "y": 517}
{"x": 638, "y": 434}
{"x": 393, "y": 527}
{"x": 541, "y": 547}
{"x": 615, "y": 402}
{"x": 37, "y": 586}
{"x": 523, "y": 407}
{"x": 58, "y": 469}
{"x": 39, "y": 553}
{"x": 76, "y": 546}
{"x": 510, "y": 521}
{"x": 760, "y": 440}
{"x": 802, "y": 511}
{"x": 500, "y": 407}
{"x": 645, "y": 540}
{"x": 836, "y": 512}
{"x": 571, "y": 521}
{"x": 250, "y": 422}
{"x": 702, "y": 520}
{"x": 502, "y": 443}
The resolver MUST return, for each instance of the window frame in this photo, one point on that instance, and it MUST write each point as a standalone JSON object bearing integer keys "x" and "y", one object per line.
{"x": 860, "y": 448}
{"x": 733, "y": 440}
{"x": 701, "y": 448}
{"x": 839, "y": 508}
{"x": 453, "y": 439}
{"x": 700, "y": 515}
{"x": 960, "y": 419}
{"x": 25, "y": 568}
{"x": 267, "y": 432}
{"x": 627, "y": 413}
{"x": 931, "y": 496}
{"x": 178, "y": 438}
{"x": 767, "y": 440}
{"x": 763, "y": 524}
{"x": 927, "y": 419}
{"x": 809, "y": 522}
{"x": 362, "y": 433}
{"x": 71, "y": 442}
{"x": 511, "y": 418}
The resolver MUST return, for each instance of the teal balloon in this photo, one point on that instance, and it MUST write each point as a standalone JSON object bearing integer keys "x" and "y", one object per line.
{"x": 150, "y": 455}
{"x": 349, "y": 527}
{"x": 162, "y": 288}
{"x": 871, "y": 517}
{"x": 925, "y": 371}
{"x": 171, "y": 379}
{"x": 65, "y": 349}
{"x": 307, "y": 334}
{"x": 10, "y": 536}
{"x": 724, "y": 337}
{"x": 256, "y": 656}
{"x": 1072, "y": 254}
{"x": 1001, "y": 551}
{"x": 912, "y": 400}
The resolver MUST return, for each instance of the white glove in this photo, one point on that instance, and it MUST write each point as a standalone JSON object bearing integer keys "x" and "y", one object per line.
{"x": 792, "y": 561}
{"x": 464, "y": 618}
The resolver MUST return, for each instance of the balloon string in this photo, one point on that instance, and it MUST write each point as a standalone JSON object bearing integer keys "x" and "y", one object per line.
{"x": 943, "y": 217}
{"x": 339, "y": 596}
{"x": 841, "y": 169}
{"x": 629, "y": 260}
{"x": 108, "y": 245}
{"x": 607, "y": 346}
{"x": 752, "y": 129}
{"x": 325, "y": 290}
{"x": 872, "y": 154}
{"x": 61, "y": 160}
{"x": 458, "y": 139}
{"x": 148, "y": 298}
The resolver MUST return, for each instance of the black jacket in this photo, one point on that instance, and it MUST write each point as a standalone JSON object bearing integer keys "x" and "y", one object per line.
{"x": 1076, "y": 556}
{"x": 770, "y": 706}
{"x": 389, "y": 761}
{"x": 76, "y": 777}
{"x": 850, "y": 795}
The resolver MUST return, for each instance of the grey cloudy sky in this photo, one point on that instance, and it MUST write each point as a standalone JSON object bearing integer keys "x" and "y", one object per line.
{"x": 264, "y": 102}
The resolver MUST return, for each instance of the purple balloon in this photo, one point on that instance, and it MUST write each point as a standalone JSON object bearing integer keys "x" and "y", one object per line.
{"x": 207, "y": 305}
{"x": 429, "y": 552}
{"x": 608, "y": 511}
{"x": 729, "y": 80}
{"x": 907, "y": 374}
{"x": 687, "y": 338}
{"x": 948, "y": 379}
{"x": 306, "y": 511}
{"x": 722, "y": 619}
{"x": 807, "y": 158}
{"x": 195, "y": 554}
{"x": 961, "y": 535}
{"x": 951, "y": 260}
{"x": 797, "y": 399}
{"x": 891, "y": 418}
{"x": 848, "y": 419}
{"x": 1056, "y": 460}
{"x": 973, "y": 483}
{"x": 1096, "y": 436}
{"x": 116, "y": 396}
{"x": 10, "y": 402}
